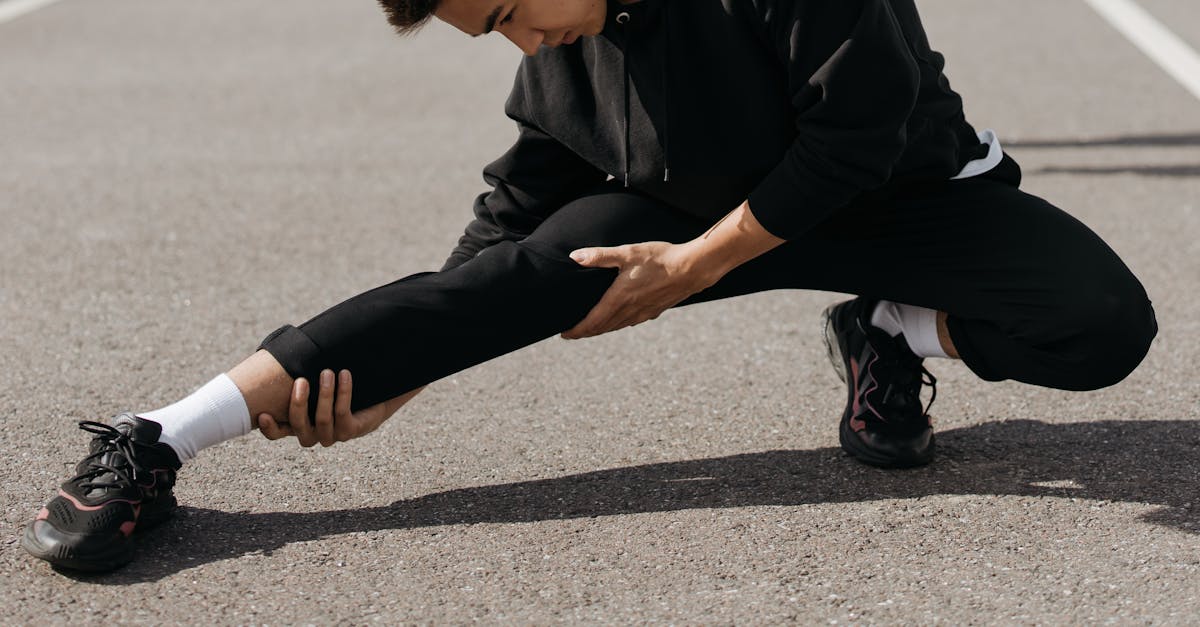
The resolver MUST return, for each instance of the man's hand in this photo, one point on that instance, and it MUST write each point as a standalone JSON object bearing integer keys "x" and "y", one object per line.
{"x": 334, "y": 421}
{"x": 654, "y": 276}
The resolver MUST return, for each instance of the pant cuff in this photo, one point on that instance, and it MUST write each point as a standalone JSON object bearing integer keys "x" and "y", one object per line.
{"x": 970, "y": 355}
{"x": 293, "y": 349}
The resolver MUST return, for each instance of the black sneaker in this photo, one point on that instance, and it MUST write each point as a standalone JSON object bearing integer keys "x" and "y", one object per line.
{"x": 884, "y": 423}
{"x": 123, "y": 485}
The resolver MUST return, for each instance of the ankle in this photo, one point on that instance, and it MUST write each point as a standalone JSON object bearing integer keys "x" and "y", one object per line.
{"x": 943, "y": 332}
{"x": 212, "y": 414}
{"x": 918, "y": 326}
{"x": 264, "y": 384}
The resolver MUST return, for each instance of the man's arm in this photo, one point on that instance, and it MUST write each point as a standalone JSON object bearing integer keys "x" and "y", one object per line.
{"x": 854, "y": 83}
{"x": 732, "y": 241}
{"x": 654, "y": 276}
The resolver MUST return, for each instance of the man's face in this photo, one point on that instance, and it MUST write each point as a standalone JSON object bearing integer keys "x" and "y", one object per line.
{"x": 527, "y": 23}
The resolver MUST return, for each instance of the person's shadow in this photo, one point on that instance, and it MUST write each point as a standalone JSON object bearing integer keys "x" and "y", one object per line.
{"x": 1156, "y": 462}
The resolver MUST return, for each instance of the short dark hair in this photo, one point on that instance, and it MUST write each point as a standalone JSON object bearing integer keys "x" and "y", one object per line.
{"x": 408, "y": 15}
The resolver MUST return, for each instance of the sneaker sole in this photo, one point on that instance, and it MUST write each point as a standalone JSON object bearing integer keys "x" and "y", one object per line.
{"x": 853, "y": 445}
{"x": 63, "y": 554}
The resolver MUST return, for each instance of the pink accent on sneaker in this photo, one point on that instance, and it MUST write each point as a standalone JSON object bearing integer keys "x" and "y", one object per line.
{"x": 91, "y": 508}
{"x": 872, "y": 386}
{"x": 127, "y": 528}
{"x": 856, "y": 423}
{"x": 43, "y": 515}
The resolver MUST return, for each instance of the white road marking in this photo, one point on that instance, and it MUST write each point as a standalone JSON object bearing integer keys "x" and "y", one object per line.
{"x": 12, "y": 9}
{"x": 1161, "y": 45}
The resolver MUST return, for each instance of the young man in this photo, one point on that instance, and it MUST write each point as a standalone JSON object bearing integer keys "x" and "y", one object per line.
{"x": 672, "y": 152}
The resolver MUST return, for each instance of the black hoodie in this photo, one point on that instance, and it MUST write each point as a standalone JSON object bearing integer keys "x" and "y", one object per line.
{"x": 798, "y": 106}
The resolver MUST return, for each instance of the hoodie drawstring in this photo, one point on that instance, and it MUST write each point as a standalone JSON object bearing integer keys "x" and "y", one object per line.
{"x": 666, "y": 75}
{"x": 625, "y": 56}
{"x": 623, "y": 19}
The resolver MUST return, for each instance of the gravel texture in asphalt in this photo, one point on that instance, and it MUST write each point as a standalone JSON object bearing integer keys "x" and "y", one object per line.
{"x": 177, "y": 179}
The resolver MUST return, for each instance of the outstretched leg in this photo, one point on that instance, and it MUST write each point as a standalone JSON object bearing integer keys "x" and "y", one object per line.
{"x": 426, "y": 326}
{"x": 1028, "y": 293}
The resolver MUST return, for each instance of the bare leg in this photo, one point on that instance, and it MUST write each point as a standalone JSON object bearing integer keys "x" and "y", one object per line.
{"x": 944, "y": 336}
{"x": 267, "y": 387}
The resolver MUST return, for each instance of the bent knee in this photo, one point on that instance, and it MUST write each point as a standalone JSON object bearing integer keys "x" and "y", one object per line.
{"x": 1114, "y": 336}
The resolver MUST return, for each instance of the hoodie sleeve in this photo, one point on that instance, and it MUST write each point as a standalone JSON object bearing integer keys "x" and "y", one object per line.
{"x": 529, "y": 182}
{"x": 853, "y": 81}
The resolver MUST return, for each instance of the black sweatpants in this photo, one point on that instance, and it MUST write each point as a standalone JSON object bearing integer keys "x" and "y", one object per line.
{"x": 1032, "y": 294}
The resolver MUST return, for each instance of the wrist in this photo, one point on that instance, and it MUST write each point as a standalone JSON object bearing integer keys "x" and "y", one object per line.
{"x": 705, "y": 261}
{"x": 733, "y": 240}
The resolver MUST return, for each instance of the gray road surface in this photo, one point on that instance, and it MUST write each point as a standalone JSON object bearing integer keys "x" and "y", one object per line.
{"x": 179, "y": 178}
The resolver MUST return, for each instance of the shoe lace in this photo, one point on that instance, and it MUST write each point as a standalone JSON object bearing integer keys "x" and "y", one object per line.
{"x": 100, "y": 474}
{"x": 905, "y": 391}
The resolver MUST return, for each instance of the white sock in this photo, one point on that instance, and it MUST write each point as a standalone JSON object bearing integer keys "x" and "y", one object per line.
{"x": 918, "y": 325}
{"x": 212, "y": 414}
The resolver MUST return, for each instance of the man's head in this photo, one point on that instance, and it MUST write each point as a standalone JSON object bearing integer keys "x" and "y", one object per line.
{"x": 527, "y": 23}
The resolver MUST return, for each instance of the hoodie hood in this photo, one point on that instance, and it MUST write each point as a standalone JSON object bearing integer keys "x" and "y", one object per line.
{"x": 797, "y": 106}
{"x": 655, "y": 102}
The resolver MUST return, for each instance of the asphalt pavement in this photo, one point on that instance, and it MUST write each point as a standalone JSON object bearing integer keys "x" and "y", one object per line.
{"x": 177, "y": 179}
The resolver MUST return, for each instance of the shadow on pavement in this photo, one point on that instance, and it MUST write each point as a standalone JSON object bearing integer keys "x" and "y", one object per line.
{"x": 1160, "y": 141}
{"x": 1180, "y": 139}
{"x": 1141, "y": 170}
{"x": 1155, "y": 462}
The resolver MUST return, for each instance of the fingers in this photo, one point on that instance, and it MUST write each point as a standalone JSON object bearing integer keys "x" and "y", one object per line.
{"x": 298, "y": 414}
{"x": 627, "y": 317}
{"x": 627, "y": 320}
{"x": 601, "y": 320}
{"x": 598, "y": 319}
{"x": 324, "y": 426}
{"x": 345, "y": 389}
{"x": 601, "y": 257}
{"x": 587, "y": 329}
{"x": 344, "y": 419}
{"x": 272, "y": 430}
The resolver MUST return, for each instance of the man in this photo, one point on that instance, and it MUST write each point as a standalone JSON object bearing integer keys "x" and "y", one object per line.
{"x": 672, "y": 152}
